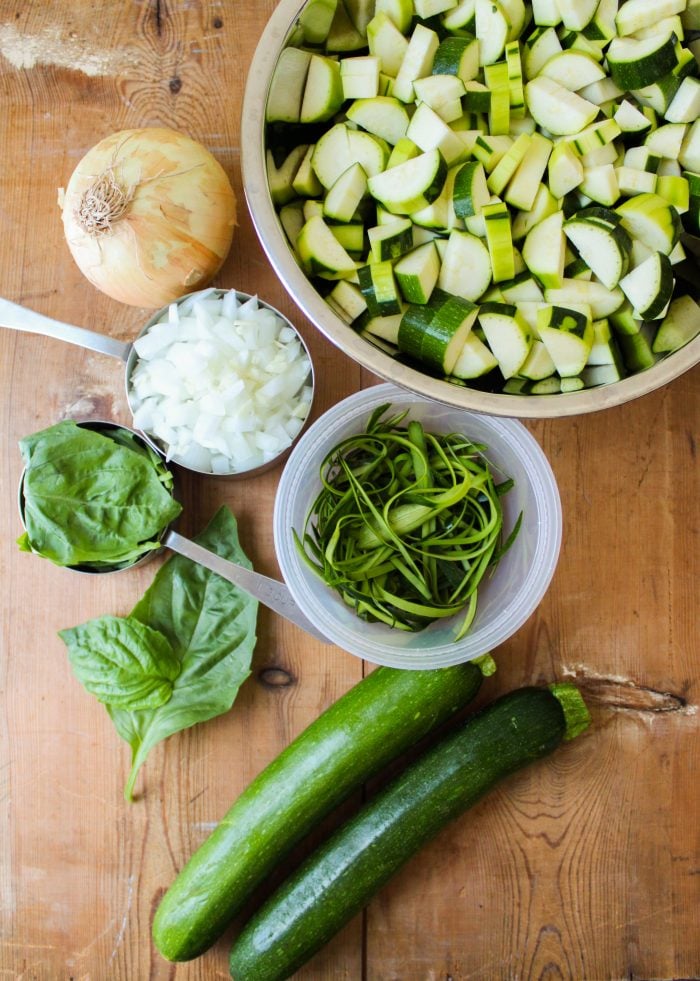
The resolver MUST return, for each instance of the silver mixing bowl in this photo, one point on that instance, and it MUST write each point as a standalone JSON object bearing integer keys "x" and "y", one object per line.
{"x": 278, "y": 33}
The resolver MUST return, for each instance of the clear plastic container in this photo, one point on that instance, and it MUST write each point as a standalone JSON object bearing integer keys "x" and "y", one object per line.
{"x": 506, "y": 598}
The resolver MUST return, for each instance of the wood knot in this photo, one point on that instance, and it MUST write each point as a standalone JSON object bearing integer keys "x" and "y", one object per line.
{"x": 217, "y": 23}
{"x": 175, "y": 84}
{"x": 275, "y": 677}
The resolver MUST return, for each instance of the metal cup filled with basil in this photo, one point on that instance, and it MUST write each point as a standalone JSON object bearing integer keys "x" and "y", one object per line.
{"x": 94, "y": 496}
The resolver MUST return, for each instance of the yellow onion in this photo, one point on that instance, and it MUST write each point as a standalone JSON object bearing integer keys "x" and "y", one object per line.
{"x": 149, "y": 215}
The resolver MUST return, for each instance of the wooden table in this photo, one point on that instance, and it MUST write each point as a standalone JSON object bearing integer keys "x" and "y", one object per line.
{"x": 585, "y": 866}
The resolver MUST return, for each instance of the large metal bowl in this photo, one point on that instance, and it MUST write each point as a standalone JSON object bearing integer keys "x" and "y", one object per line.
{"x": 275, "y": 37}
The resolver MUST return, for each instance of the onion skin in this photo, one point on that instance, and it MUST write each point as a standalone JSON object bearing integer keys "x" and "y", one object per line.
{"x": 176, "y": 229}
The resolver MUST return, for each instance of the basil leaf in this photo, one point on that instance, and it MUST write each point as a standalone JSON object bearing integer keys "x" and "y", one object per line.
{"x": 89, "y": 499}
{"x": 122, "y": 661}
{"x": 210, "y": 625}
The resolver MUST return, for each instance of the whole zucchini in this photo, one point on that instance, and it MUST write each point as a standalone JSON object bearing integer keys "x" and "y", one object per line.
{"x": 375, "y": 721}
{"x": 342, "y": 875}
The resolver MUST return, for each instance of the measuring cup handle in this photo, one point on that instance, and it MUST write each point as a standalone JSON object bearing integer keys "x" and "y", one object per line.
{"x": 14, "y": 316}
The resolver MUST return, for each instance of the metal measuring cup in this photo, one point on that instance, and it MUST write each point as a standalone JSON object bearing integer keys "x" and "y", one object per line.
{"x": 270, "y": 592}
{"x": 17, "y": 317}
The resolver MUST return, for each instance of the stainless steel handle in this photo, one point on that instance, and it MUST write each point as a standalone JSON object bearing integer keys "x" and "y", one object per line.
{"x": 271, "y": 592}
{"x": 16, "y": 317}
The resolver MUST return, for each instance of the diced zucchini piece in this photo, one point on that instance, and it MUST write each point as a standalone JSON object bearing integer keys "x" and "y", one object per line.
{"x": 573, "y": 70}
{"x": 399, "y": 11}
{"x": 557, "y": 110}
{"x": 606, "y": 250}
{"x": 458, "y": 56}
{"x": 411, "y": 185}
{"x": 462, "y": 16}
{"x": 378, "y": 287}
{"x": 361, "y": 12}
{"x": 440, "y": 213}
{"x": 630, "y": 119}
{"x": 430, "y": 132}
{"x": 475, "y": 359}
{"x": 545, "y": 249}
{"x": 680, "y": 325}
{"x": 546, "y": 13}
{"x": 417, "y": 62}
{"x": 390, "y": 240}
{"x": 470, "y": 192}
{"x": 417, "y": 273}
{"x": 320, "y": 251}
{"x": 360, "y": 77}
{"x": 287, "y": 86}
{"x": 281, "y": 179}
{"x": 305, "y": 183}
{"x": 602, "y": 301}
{"x": 653, "y": 220}
{"x": 515, "y": 80}
{"x": 383, "y": 116}
{"x": 649, "y": 286}
{"x": 488, "y": 149}
{"x": 667, "y": 140}
{"x": 386, "y": 42}
{"x": 565, "y": 170}
{"x": 351, "y": 236}
{"x": 508, "y": 164}
{"x": 499, "y": 240}
{"x": 344, "y": 197}
{"x": 631, "y": 181}
{"x": 538, "y": 364}
{"x": 343, "y": 36}
{"x": 431, "y": 8}
{"x": 492, "y": 28}
{"x": 443, "y": 93}
{"x": 496, "y": 78}
{"x": 403, "y": 150}
{"x": 602, "y": 27}
{"x": 633, "y": 64}
{"x": 523, "y": 188}
{"x": 466, "y": 266}
{"x": 347, "y": 300}
{"x": 507, "y": 335}
{"x": 540, "y": 47}
{"x": 435, "y": 334}
{"x": 600, "y": 184}
{"x": 576, "y": 14}
{"x": 383, "y": 328}
{"x": 604, "y": 349}
{"x": 292, "y": 220}
{"x": 636, "y": 14}
{"x": 685, "y": 105}
{"x": 675, "y": 190}
{"x": 523, "y": 287}
{"x": 567, "y": 333}
{"x": 636, "y": 349}
{"x": 545, "y": 204}
{"x": 323, "y": 91}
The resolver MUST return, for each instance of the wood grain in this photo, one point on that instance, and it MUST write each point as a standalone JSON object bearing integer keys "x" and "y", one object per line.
{"x": 587, "y": 866}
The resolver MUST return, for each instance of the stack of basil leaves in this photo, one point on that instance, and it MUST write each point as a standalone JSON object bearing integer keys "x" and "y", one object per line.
{"x": 96, "y": 500}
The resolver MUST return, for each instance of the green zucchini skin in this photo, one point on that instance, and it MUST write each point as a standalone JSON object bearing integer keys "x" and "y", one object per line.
{"x": 384, "y": 714}
{"x": 341, "y": 876}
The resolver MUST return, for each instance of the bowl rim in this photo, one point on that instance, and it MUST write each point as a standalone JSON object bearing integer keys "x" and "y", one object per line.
{"x": 312, "y": 304}
{"x": 523, "y": 602}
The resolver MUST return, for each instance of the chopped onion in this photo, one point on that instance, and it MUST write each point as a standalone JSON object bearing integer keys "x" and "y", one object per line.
{"x": 224, "y": 386}
{"x": 148, "y": 215}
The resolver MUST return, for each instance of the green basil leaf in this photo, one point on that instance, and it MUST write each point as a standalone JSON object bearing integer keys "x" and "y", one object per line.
{"x": 122, "y": 661}
{"x": 210, "y": 625}
{"x": 89, "y": 499}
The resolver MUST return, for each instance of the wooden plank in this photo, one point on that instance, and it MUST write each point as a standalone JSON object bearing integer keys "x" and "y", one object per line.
{"x": 586, "y": 866}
